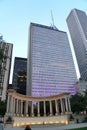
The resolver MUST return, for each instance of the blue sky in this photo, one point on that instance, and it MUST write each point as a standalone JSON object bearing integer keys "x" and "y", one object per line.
{"x": 16, "y": 15}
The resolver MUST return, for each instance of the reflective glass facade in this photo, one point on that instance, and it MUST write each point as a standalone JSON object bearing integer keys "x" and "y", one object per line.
{"x": 77, "y": 24}
{"x": 50, "y": 62}
{"x": 19, "y": 75}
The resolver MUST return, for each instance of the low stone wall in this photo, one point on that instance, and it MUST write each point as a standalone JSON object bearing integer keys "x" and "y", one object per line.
{"x": 80, "y": 117}
{"x": 22, "y": 121}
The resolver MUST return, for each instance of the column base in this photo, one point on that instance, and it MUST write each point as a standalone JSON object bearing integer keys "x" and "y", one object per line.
{"x": 50, "y": 114}
{"x": 38, "y": 114}
{"x": 68, "y": 113}
{"x": 62, "y": 113}
{"x": 17, "y": 114}
{"x": 32, "y": 115}
{"x": 22, "y": 115}
{"x": 27, "y": 115}
{"x": 44, "y": 114}
{"x": 56, "y": 114}
{"x": 9, "y": 114}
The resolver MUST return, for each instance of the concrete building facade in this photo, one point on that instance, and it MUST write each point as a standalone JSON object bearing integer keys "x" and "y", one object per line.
{"x": 50, "y": 67}
{"x": 5, "y": 65}
{"x": 81, "y": 87}
{"x": 77, "y": 24}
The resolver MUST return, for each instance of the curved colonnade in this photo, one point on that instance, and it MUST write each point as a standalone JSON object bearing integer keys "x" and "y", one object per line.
{"x": 23, "y": 107}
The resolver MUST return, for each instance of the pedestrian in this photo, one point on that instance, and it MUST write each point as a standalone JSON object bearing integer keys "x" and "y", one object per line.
{"x": 27, "y": 127}
{"x": 1, "y": 125}
{"x": 77, "y": 120}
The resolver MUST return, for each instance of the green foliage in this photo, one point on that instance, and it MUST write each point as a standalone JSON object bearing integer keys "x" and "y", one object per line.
{"x": 85, "y": 99}
{"x": 1, "y": 58}
{"x": 1, "y": 54}
{"x": 85, "y": 120}
{"x": 2, "y": 108}
{"x": 77, "y": 103}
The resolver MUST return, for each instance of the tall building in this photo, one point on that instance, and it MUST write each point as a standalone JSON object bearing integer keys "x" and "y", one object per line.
{"x": 50, "y": 66}
{"x": 77, "y": 24}
{"x": 19, "y": 75}
{"x": 5, "y": 67}
{"x": 81, "y": 86}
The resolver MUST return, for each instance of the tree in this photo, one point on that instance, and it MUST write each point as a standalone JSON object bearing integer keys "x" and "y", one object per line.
{"x": 2, "y": 108}
{"x": 77, "y": 103}
{"x": 2, "y": 103}
{"x": 1, "y": 57}
{"x": 1, "y": 54}
{"x": 85, "y": 99}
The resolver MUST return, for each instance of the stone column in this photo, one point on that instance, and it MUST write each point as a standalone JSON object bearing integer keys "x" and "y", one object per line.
{"x": 66, "y": 104}
{"x": 26, "y": 108}
{"x": 61, "y": 102}
{"x": 18, "y": 107}
{"x": 64, "y": 107}
{"x": 21, "y": 107}
{"x": 38, "y": 109}
{"x": 56, "y": 107}
{"x": 44, "y": 108}
{"x": 11, "y": 104}
{"x": 14, "y": 106}
{"x": 50, "y": 108}
{"x": 8, "y": 104}
{"x": 69, "y": 104}
{"x": 32, "y": 110}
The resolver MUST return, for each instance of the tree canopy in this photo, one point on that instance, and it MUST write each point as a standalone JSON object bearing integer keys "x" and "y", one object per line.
{"x": 1, "y": 58}
{"x": 79, "y": 102}
{"x": 2, "y": 108}
{"x": 1, "y": 54}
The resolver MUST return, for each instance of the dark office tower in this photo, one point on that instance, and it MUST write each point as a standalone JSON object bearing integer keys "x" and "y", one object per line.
{"x": 77, "y": 24}
{"x": 19, "y": 75}
{"x": 5, "y": 66}
{"x": 50, "y": 67}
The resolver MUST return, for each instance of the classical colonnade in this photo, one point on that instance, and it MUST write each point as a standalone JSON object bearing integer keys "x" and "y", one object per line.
{"x": 18, "y": 105}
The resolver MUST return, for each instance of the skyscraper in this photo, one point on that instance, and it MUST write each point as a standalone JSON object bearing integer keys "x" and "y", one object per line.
{"x": 50, "y": 67}
{"x": 77, "y": 24}
{"x": 5, "y": 67}
{"x": 19, "y": 75}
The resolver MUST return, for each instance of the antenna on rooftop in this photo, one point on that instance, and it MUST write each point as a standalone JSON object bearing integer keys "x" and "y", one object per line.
{"x": 52, "y": 25}
{"x": 52, "y": 18}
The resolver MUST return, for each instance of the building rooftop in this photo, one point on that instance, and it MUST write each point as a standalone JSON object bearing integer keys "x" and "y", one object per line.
{"x": 53, "y": 27}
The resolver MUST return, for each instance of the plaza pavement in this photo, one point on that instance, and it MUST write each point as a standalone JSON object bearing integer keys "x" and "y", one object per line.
{"x": 53, "y": 127}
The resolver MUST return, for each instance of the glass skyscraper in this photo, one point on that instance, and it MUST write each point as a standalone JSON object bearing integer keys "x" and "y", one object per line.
{"x": 77, "y": 24}
{"x": 50, "y": 66}
{"x": 19, "y": 75}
